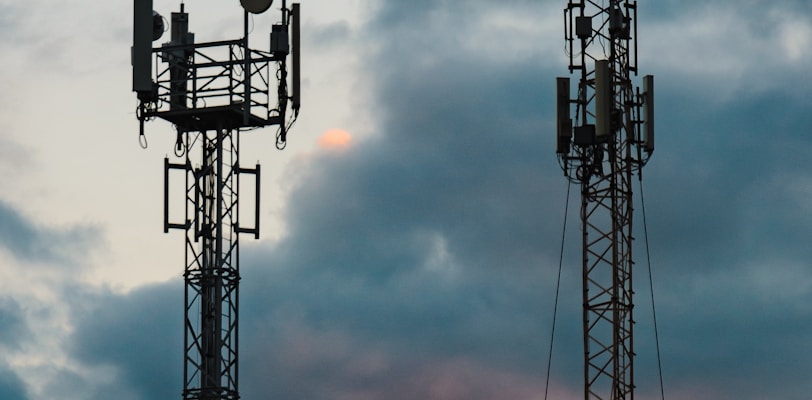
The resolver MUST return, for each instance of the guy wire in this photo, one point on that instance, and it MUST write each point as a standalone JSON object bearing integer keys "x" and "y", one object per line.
{"x": 557, "y": 287}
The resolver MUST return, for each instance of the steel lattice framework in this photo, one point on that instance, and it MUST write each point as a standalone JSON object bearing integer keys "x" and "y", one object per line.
{"x": 211, "y": 92}
{"x": 212, "y": 272}
{"x": 601, "y": 145}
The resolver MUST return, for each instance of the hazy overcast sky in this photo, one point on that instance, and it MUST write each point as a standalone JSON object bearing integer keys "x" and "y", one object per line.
{"x": 411, "y": 229}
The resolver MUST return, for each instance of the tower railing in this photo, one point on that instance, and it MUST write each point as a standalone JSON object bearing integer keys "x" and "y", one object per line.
{"x": 211, "y": 78}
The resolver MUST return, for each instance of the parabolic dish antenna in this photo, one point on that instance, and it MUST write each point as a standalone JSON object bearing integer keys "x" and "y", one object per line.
{"x": 256, "y": 6}
{"x": 158, "y": 27}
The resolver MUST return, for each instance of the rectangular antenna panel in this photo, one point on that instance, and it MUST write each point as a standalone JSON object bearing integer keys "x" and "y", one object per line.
{"x": 563, "y": 120}
{"x": 179, "y": 61}
{"x": 297, "y": 97}
{"x": 142, "y": 45}
{"x": 616, "y": 20}
{"x": 180, "y": 27}
{"x": 603, "y": 99}
{"x": 648, "y": 113}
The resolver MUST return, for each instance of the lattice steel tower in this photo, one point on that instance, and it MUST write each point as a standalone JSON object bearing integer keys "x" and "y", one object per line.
{"x": 211, "y": 92}
{"x": 605, "y": 135}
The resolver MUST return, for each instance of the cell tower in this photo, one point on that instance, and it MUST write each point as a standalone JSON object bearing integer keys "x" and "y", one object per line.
{"x": 605, "y": 135}
{"x": 211, "y": 92}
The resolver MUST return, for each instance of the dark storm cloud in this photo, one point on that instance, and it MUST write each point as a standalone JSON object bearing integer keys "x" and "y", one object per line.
{"x": 29, "y": 242}
{"x": 420, "y": 263}
{"x": 722, "y": 182}
{"x": 670, "y": 9}
{"x": 424, "y": 245}
{"x": 13, "y": 326}
{"x": 139, "y": 336}
{"x": 460, "y": 149}
{"x": 14, "y": 331}
{"x": 728, "y": 220}
{"x": 724, "y": 196}
{"x": 11, "y": 387}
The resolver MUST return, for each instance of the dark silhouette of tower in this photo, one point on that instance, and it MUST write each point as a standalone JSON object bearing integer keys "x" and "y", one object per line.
{"x": 211, "y": 92}
{"x": 605, "y": 135}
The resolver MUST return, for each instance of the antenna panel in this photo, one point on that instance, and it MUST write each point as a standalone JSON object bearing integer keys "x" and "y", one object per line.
{"x": 563, "y": 120}
{"x": 180, "y": 28}
{"x": 297, "y": 97}
{"x": 179, "y": 61}
{"x": 279, "y": 40}
{"x": 648, "y": 113}
{"x": 603, "y": 99}
{"x": 143, "y": 24}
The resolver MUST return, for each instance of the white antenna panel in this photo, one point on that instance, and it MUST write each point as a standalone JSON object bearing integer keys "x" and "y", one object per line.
{"x": 256, "y": 6}
{"x": 603, "y": 98}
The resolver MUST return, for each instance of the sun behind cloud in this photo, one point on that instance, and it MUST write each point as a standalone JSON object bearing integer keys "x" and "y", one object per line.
{"x": 335, "y": 139}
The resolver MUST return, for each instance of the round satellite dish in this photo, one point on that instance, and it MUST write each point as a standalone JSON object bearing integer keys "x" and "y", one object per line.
{"x": 256, "y": 6}
{"x": 158, "y": 26}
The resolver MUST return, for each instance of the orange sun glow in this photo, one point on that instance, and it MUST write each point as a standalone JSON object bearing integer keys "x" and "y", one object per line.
{"x": 335, "y": 139}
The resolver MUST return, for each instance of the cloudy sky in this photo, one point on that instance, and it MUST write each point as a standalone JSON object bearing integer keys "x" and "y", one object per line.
{"x": 411, "y": 229}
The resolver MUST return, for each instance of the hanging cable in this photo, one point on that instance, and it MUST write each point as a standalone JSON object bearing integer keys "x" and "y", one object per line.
{"x": 651, "y": 286}
{"x": 179, "y": 147}
{"x": 557, "y": 287}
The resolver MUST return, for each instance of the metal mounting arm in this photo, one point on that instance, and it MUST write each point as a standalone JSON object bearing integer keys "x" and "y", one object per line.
{"x": 255, "y": 229}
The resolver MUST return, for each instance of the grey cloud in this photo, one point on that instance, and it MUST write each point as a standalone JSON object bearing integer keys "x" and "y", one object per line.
{"x": 10, "y": 16}
{"x": 718, "y": 183}
{"x": 138, "y": 335}
{"x": 726, "y": 50}
{"x": 11, "y": 386}
{"x": 711, "y": 197}
{"x": 330, "y": 35}
{"x": 13, "y": 325}
{"x": 28, "y": 241}
{"x": 14, "y": 332}
{"x": 458, "y": 171}
{"x": 721, "y": 205}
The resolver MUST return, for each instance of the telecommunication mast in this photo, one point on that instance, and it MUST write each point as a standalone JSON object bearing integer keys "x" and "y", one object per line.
{"x": 211, "y": 92}
{"x": 605, "y": 135}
